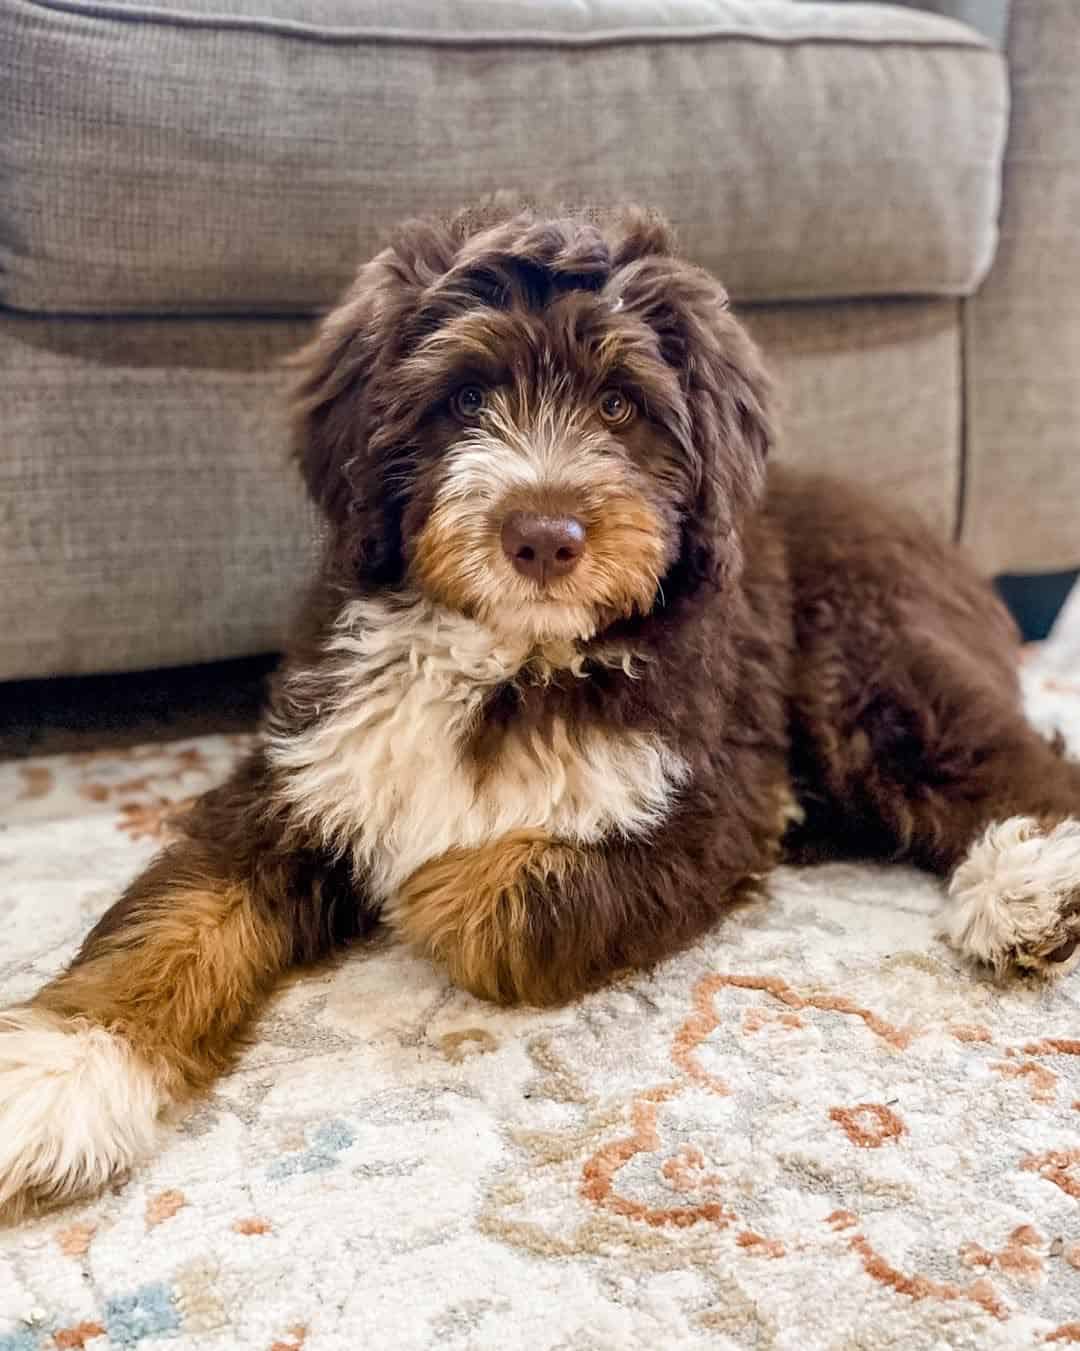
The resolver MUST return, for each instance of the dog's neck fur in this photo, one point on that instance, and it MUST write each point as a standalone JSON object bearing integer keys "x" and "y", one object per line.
{"x": 372, "y": 744}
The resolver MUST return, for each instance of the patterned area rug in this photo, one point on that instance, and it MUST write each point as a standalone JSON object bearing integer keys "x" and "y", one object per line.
{"x": 813, "y": 1131}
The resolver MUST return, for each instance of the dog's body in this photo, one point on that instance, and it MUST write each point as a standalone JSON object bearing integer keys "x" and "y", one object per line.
{"x": 578, "y": 671}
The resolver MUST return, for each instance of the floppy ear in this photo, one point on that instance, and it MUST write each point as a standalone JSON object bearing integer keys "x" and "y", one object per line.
{"x": 332, "y": 418}
{"x": 729, "y": 397}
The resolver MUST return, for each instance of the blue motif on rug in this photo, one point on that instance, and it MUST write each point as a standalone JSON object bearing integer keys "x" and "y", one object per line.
{"x": 326, "y": 1144}
{"x": 20, "y": 1341}
{"x": 147, "y": 1312}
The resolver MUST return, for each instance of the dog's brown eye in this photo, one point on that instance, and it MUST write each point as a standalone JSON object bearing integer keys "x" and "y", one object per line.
{"x": 469, "y": 402}
{"x": 615, "y": 408}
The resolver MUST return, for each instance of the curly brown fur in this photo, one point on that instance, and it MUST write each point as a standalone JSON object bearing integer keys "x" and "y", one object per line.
{"x": 544, "y": 772}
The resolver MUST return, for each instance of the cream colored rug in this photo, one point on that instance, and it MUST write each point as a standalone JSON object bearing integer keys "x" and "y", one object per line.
{"x": 815, "y": 1130}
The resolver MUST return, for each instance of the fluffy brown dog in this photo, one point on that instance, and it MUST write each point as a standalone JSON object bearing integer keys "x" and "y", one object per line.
{"x": 577, "y": 671}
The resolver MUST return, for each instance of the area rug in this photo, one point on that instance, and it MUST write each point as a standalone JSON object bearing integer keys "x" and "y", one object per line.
{"x": 815, "y": 1130}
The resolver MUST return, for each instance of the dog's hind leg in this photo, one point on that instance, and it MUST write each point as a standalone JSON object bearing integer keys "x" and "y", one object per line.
{"x": 1010, "y": 848}
{"x": 908, "y": 734}
{"x": 150, "y": 1009}
{"x": 942, "y": 768}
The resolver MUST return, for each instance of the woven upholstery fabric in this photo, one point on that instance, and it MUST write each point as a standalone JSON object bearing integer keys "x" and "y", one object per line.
{"x": 1022, "y": 510}
{"x": 150, "y": 516}
{"x": 172, "y": 159}
{"x": 871, "y": 391}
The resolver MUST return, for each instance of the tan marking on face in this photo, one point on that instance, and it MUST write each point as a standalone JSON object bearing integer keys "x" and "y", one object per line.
{"x": 549, "y": 458}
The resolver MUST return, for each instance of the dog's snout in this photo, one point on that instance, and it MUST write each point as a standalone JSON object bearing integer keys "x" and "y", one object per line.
{"x": 542, "y": 547}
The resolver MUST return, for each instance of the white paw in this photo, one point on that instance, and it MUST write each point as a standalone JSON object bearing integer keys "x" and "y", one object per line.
{"x": 1015, "y": 899}
{"x": 77, "y": 1107}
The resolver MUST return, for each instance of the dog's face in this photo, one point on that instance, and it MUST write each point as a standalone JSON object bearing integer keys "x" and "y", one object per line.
{"x": 544, "y": 425}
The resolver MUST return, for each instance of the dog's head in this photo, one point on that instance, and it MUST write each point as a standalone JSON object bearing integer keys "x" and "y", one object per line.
{"x": 543, "y": 423}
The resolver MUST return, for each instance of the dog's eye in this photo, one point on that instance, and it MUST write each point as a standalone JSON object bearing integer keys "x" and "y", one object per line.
{"x": 469, "y": 402}
{"x": 615, "y": 408}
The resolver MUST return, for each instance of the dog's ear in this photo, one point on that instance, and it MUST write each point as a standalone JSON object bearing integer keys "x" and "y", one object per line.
{"x": 334, "y": 412}
{"x": 346, "y": 406}
{"x": 729, "y": 397}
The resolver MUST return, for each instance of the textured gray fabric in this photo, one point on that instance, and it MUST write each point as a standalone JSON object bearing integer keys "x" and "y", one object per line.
{"x": 1023, "y": 329}
{"x": 150, "y": 517}
{"x": 871, "y": 391}
{"x": 990, "y": 17}
{"x": 159, "y": 159}
{"x": 148, "y": 514}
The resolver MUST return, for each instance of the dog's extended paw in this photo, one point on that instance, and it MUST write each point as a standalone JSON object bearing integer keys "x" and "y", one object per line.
{"x": 77, "y": 1107}
{"x": 1015, "y": 899}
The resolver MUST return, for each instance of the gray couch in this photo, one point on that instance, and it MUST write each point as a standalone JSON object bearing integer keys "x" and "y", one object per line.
{"x": 183, "y": 186}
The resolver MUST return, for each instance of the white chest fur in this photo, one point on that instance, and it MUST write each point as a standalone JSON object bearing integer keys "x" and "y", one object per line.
{"x": 381, "y": 770}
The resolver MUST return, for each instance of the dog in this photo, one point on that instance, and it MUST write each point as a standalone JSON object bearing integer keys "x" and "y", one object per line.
{"x": 580, "y": 667}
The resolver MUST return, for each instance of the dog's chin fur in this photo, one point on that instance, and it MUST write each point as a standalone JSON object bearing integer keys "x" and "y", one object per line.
{"x": 537, "y": 621}
{"x": 741, "y": 666}
{"x": 552, "y": 628}
{"x": 549, "y": 629}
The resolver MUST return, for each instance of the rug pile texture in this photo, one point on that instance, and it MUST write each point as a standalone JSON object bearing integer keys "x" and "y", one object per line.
{"x": 815, "y": 1130}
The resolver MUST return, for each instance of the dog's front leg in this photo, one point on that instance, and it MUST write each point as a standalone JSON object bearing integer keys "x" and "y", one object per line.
{"x": 150, "y": 1009}
{"x": 532, "y": 919}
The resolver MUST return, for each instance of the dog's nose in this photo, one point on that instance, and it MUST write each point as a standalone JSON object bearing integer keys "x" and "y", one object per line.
{"x": 542, "y": 547}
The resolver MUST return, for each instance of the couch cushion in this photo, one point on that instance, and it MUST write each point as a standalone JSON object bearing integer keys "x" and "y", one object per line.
{"x": 149, "y": 514}
{"x": 870, "y": 391}
{"x": 242, "y": 155}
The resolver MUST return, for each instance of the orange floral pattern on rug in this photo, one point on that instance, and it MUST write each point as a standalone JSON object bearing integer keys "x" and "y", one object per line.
{"x": 715, "y": 1141}
{"x": 869, "y": 1125}
{"x": 1059, "y": 1166}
